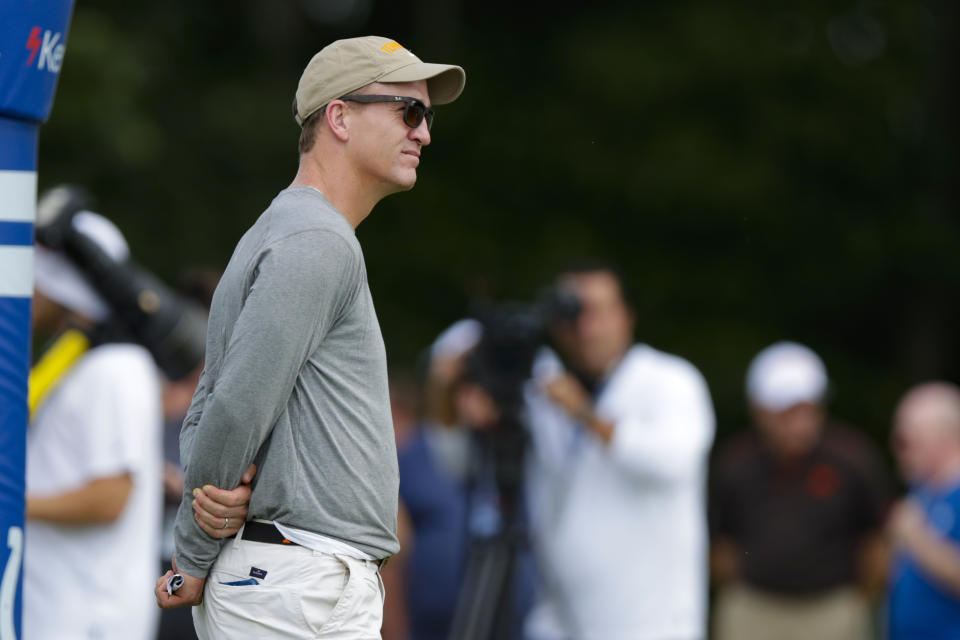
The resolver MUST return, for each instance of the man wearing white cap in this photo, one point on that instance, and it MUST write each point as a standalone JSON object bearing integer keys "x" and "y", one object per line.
{"x": 93, "y": 464}
{"x": 296, "y": 377}
{"x": 796, "y": 510}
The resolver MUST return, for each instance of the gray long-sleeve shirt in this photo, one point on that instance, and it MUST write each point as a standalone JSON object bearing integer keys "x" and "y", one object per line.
{"x": 296, "y": 381}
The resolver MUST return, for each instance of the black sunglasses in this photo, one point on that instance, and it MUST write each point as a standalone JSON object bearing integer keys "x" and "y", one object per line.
{"x": 414, "y": 110}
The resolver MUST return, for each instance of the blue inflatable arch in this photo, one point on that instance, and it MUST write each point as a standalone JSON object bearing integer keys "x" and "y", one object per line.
{"x": 33, "y": 38}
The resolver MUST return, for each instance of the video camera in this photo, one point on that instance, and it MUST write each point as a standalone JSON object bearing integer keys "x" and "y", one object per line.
{"x": 144, "y": 309}
{"x": 512, "y": 335}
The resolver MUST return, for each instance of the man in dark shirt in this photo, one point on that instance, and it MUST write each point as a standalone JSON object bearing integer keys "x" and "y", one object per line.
{"x": 796, "y": 510}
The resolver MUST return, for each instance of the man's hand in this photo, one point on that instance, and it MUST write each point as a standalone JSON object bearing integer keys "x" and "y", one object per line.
{"x": 724, "y": 561}
{"x": 221, "y": 513}
{"x": 938, "y": 556}
{"x": 567, "y": 392}
{"x": 189, "y": 594}
{"x": 907, "y": 524}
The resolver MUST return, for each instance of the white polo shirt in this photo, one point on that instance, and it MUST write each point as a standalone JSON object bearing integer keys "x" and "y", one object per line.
{"x": 96, "y": 581}
{"x": 620, "y": 527}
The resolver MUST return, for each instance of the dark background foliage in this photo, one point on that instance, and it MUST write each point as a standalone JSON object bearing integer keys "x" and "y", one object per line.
{"x": 761, "y": 171}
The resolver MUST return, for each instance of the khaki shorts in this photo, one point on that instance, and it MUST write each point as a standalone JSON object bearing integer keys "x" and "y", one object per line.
{"x": 745, "y": 613}
{"x": 299, "y": 594}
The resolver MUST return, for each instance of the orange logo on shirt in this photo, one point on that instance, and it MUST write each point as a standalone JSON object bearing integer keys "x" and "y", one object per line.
{"x": 823, "y": 481}
{"x": 392, "y": 47}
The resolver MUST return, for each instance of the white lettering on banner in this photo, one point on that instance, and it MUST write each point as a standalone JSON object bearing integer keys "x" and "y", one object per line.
{"x": 51, "y": 52}
{"x": 8, "y": 588}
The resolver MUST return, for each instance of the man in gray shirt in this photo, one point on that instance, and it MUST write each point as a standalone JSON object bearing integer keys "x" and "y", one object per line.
{"x": 296, "y": 378}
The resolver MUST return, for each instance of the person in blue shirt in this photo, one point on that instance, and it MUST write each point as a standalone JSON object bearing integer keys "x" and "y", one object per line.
{"x": 924, "y": 598}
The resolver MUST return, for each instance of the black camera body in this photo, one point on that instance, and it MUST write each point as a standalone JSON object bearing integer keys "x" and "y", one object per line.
{"x": 512, "y": 334}
{"x": 144, "y": 310}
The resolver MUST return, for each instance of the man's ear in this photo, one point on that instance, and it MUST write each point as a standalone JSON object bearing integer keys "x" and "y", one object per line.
{"x": 336, "y": 116}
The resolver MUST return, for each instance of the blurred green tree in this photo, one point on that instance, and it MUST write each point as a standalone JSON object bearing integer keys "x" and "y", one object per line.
{"x": 761, "y": 171}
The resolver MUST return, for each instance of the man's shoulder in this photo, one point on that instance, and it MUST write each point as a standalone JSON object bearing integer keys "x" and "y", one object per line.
{"x": 849, "y": 445}
{"x": 667, "y": 367}
{"x": 302, "y": 209}
{"x": 741, "y": 450}
{"x": 301, "y": 231}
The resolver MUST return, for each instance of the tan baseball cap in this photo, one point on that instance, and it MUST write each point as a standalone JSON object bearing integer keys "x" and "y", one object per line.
{"x": 344, "y": 66}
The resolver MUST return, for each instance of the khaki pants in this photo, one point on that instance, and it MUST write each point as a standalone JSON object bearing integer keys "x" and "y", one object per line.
{"x": 744, "y": 613}
{"x": 303, "y": 595}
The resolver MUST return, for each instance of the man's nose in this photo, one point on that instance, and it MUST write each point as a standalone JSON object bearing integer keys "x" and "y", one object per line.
{"x": 421, "y": 133}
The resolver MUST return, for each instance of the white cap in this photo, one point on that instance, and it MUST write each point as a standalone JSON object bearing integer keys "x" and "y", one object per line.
{"x": 786, "y": 374}
{"x": 57, "y": 278}
{"x": 457, "y": 339}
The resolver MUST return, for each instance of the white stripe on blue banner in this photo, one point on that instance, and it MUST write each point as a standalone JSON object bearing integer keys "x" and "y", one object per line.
{"x": 18, "y": 196}
{"x": 16, "y": 272}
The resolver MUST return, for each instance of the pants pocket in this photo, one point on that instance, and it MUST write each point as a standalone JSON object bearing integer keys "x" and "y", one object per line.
{"x": 249, "y": 611}
{"x": 327, "y": 595}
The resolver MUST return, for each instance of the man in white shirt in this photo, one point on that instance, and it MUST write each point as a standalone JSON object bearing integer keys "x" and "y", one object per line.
{"x": 93, "y": 470}
{"x": 620, "y": 438}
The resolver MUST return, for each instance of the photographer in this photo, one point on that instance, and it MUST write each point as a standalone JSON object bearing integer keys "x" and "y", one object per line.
{"x": 620, "y": 436}
{"x": 93, "y": 461}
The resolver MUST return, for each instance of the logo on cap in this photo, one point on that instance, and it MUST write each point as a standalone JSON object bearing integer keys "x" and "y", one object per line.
{"x": 392, "y": 47}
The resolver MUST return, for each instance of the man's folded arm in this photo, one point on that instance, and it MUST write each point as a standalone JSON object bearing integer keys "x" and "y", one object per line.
{"x": 291, "y": 304}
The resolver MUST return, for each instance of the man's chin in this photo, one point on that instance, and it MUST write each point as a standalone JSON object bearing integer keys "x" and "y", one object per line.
{"x": 398, "y": 183}
{"x": 406, "y": 182}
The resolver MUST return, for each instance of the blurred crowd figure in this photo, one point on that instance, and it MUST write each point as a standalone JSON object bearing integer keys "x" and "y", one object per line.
{"x": 621, "y": 434}
{"x": 434, "y": 464}
{"x": 93, "y": 465}
{"x": 446, "y": 487}
{"x": 797, "y": 507}
{"x": 924, "y": 600}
